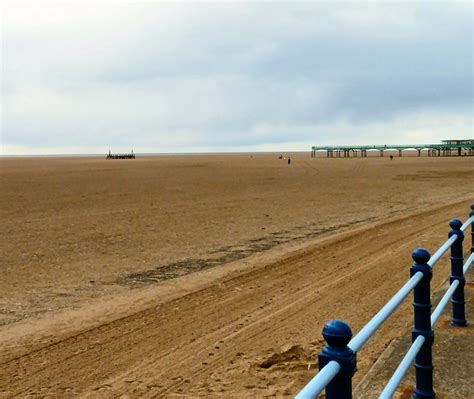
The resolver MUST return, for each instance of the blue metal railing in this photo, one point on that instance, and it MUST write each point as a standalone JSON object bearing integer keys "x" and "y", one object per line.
{"x": 338, "y": 359}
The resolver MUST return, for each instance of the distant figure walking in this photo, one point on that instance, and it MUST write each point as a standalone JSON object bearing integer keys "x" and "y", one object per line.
{"x": 391, "y": 157}
{"x": 289, "y": 161}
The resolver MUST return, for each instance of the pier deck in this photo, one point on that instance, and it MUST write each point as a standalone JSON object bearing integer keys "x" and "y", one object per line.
{"x": 444, "y": 149}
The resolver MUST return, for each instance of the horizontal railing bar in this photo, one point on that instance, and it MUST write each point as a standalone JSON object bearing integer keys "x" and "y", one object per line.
{"x": 468, "y": 264}
{"x": 440, "y": 252}
{"x": 402, "y": 368}
{"x": 319, "y": 381}
{"x": 467, "y": 223}
{"x": 404, "y": 365}
{"x": 443, "y": 302}
{"x": 373, "y": 325}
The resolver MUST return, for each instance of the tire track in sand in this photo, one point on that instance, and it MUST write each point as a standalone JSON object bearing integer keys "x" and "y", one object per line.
{"x": 163, "y": 351}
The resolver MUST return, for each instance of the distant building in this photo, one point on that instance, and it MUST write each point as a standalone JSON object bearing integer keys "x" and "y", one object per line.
{"x": 459, "y": 142}
{"x": 448, "y": 148}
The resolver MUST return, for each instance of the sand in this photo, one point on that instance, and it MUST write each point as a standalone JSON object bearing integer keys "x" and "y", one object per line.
{"x": 202, "y": 275}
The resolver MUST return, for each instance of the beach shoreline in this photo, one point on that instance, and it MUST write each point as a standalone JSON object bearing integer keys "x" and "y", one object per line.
{"x": 90, "y": 242}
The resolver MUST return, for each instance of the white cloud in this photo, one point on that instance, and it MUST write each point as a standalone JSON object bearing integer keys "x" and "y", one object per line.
{"x": 183, "y": 77}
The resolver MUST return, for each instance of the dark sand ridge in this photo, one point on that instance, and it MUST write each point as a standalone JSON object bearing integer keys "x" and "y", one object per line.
{"x": 81, "y": 231}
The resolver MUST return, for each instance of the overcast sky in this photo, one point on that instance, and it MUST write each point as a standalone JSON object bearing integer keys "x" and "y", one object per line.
{"x": 82, "y": 77}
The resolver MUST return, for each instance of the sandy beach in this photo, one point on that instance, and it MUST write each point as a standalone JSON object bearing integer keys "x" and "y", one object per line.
{"x": 206, "y": 275}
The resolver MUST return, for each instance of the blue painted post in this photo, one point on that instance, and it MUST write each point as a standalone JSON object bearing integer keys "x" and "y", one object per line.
{"x": 338, "y": 334}
{"x": 422, "y": 306}
{"x": 457, "y": 260}
{"x": 472, "y": 229}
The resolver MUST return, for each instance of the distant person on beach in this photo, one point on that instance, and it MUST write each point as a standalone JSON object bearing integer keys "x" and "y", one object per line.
{"x": 289, "y": 161}
{"x": 391, "y": 157}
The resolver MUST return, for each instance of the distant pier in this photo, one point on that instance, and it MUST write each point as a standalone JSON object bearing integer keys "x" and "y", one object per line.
{"x": 448, "y": 148}
{"x": 120, "y": 156}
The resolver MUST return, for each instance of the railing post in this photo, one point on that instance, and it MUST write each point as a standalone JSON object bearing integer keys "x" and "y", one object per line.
{"x": 472, "y": 229}
{"x": 422, "y": 306}
{"x": 457, "y": 259}
{"x": 338, "y": 334}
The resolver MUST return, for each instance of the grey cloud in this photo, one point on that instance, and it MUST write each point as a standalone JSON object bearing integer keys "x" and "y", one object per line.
{"x": 237, "y": 75}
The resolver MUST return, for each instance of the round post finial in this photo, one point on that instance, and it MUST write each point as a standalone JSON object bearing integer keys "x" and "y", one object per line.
{"x": 421, "y": 255}
{"x": 337, "y": 333}
{"x": 455, "y": 224}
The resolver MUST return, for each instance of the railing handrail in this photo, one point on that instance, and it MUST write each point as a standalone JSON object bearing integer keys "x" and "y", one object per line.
{"x": 467, "y": 223}
{"x": 383, "y": 314}
{"x": 330, "y": 370}
{"x": 443, "y": 302}
{"x": 314, "y": 387}
{"x": 449, "y": 293}
{"x": 405, "y": 364}
{"x": 441, "y": 251}
{"x": 468, "y": 264}
{"x": 319, "y": 382}
{"x": 402, "y": 369}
